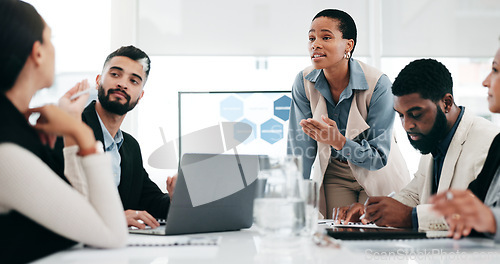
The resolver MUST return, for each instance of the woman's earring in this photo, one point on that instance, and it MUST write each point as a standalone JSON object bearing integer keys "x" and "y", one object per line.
{"x": 347, "y": 55}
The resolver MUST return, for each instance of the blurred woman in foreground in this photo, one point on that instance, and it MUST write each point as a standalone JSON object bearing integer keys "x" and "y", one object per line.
{"x": 40, "y": 213}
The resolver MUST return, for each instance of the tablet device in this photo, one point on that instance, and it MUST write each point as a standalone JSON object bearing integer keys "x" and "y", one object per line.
{"x": 361, "y": 233}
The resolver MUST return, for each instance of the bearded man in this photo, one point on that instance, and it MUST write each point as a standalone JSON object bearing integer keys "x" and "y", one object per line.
{"x": 454, "y": 145}
{"x": 120, "y": 88}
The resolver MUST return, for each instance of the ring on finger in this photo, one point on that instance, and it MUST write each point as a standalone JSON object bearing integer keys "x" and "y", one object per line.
{"x": 449, "y": 196}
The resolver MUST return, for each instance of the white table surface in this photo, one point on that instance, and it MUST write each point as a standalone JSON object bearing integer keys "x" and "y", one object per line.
{"x": 246, "y": 246}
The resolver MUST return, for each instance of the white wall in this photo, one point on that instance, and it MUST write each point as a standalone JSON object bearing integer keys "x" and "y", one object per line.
{"x": 203, "y": 45}
{"x": 443, "y": 28}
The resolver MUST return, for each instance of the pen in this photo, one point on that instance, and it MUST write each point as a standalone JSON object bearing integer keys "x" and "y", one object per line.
{"x": 73, "y": 97}
{"x": 389, "y": 195}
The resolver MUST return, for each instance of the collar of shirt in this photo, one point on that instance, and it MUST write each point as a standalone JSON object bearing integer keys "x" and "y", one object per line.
{"x": 108, "y": 139}
{"x": 357, "y": 81}
{"x": 443, "y": 145}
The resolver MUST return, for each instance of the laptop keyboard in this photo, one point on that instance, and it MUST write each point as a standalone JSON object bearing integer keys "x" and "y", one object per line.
{"x": 148, "y": 231}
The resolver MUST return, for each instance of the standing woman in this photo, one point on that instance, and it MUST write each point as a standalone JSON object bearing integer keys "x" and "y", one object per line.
{"x": 40, "y": 213}
{"x": 341, "y": 119}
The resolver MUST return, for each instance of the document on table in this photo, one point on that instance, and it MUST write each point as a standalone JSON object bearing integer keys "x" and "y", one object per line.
{"x": 136, "y": 240}
{"x": 331, "y": 223}
{"x": 361, "y": 225}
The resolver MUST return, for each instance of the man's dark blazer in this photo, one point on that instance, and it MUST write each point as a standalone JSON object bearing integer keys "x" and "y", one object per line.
{"x": 136, "y": 189}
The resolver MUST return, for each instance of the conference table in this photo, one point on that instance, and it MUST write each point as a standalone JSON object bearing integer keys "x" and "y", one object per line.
{"x": 247, "y": 246}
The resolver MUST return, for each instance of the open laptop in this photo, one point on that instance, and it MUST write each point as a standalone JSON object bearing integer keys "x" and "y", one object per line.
{"x": 214, "y": 192}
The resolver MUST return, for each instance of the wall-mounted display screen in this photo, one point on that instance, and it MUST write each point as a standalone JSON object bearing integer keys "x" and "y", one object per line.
{"x": 229, "y": 122}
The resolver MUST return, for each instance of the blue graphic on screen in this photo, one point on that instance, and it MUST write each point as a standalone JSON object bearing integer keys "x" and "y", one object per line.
{"x": 231, "y": 108}
{"x": 265, "y": 113}
{"x": 253, "y": 133}
{"x": 271, "y": 131}
{"x": 282, "y": 107}
{"x": 224, "y": 123}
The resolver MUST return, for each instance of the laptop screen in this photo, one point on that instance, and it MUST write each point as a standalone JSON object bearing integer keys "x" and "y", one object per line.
{"x": 213, "y": 193}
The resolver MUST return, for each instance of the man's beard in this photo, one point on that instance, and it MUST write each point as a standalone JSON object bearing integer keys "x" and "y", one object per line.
{"x": 114, "y": 107}
{"x": 429, "y": 142}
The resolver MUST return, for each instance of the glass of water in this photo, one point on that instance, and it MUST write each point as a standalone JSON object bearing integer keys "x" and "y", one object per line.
{"x": 310, "y": 193}
{"x": 279, "y": 209}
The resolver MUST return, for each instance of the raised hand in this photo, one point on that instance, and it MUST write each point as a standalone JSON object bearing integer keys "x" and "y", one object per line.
{"x": 75, "y": 106}
{"x": 325, "y": 132}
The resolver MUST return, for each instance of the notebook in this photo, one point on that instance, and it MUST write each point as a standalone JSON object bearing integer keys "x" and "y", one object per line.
{"x": 214, "y": 192}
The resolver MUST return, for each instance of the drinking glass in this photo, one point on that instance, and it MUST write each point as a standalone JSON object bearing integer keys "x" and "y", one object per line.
{"x": 279, "y": 209}
{"x": 310, "y": 193}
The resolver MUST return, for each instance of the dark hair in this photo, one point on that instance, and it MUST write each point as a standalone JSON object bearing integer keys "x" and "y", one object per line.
{"x": 346, "y": 23}
{"x": 20, "y": 27}
{"x": 427, "y": 77}
{"x": 132, "y": 53}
